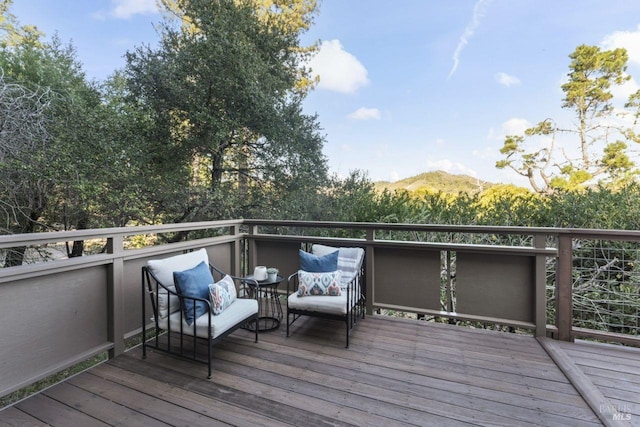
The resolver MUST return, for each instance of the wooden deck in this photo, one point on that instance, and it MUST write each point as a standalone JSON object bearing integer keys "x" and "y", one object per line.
{"x": 396, "y": 372}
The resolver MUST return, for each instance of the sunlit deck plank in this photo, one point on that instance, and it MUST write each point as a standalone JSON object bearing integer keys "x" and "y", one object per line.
{"x": 614, "y": 369}
{"x": 396, "y": 372}
{"x": 50, "y": 411}
{"x": 469, "y": 388}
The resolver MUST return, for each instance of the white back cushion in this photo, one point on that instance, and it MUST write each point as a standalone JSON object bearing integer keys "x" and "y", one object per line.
{"x": 163, "y": 270}
{"x": 349, "y": 260}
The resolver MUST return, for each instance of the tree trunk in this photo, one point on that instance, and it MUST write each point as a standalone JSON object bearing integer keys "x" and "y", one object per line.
{"x": 216, "y": 170}
{"x": 77, "y": 249}
{"x": 15, "y": 256}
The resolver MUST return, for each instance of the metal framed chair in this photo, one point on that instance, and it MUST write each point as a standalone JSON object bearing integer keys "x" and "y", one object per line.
{"x": 168, "y": 314}
{"x": 348, "y": 307}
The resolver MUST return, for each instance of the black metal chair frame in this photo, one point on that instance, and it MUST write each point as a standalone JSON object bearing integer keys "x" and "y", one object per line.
{"x": 355, "y": 308}
{"x": 148, "y": 282}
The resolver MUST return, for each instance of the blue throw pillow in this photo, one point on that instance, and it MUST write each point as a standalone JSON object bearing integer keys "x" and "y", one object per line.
{"x": 194, "y": 283}
{"x": 318, "y": 264}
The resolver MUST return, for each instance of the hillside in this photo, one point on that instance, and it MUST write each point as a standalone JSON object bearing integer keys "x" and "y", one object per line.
{"x": 437, "y": 181}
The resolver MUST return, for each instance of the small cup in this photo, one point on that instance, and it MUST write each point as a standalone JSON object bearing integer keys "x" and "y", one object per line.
{"x": 272, "y": 274}
{"x": 260, "y": 272}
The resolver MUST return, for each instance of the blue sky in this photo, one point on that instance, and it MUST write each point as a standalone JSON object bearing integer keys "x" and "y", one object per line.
{"x": 407, "y": 86}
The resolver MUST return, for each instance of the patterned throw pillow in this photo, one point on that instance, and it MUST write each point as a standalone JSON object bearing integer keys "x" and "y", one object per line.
{"x": 222, "y": 294}
{"x": 327, "y": 283}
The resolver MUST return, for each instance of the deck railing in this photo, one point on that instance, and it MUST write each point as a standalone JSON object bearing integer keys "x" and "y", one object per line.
{"x": 59, "y": 312}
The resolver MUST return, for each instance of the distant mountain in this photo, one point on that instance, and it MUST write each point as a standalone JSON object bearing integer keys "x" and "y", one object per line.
{"x": 437, "y": 181}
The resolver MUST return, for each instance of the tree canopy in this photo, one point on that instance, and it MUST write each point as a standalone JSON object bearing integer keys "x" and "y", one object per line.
{"x": 207, "y": 125}
{"x": 226, "y": 109}
{"x": 600, "y": 150}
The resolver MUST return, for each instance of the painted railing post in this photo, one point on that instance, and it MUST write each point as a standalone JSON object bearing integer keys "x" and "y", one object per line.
{"x": 564, "y": 285}
{"x": 115, "y": 295}
{"x": 540, "y": 315}
{"x": 236, "y": 248}
{"x": 252, "y": 252}
{"x": 370, "y": 269}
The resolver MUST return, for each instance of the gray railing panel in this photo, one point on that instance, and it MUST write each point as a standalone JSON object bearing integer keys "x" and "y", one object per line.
{"x": 221, "y": 257}
{"x": 132, "y": 308}
{"x": 48, "y": 321}
{"x": 281, "y": 255}
{"x": 407, "y": 277}
{"x": 501, "y": 287}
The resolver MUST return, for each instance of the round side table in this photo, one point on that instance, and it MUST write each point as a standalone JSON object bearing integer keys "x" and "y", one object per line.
{"x": 269, "y": 307}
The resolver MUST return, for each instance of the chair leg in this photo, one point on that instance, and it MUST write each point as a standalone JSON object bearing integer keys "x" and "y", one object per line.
{"x": 209, "y": 361}
{"x": 287, "y": 323}
{"x": 257, "y": 324}
{"x": 347, "y": 322}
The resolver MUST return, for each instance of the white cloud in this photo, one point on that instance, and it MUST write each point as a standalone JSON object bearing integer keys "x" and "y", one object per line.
{"x": 451, "y": 167}
{"x": 394, "y": 176}
{"x": 629, "y": 40}
{"x": 506, "y": 79}
{"x": 125, "y": 9}
{"x": 469, "y": 31}
{"x": 364, "y": 113}
{"x": 486, "y": 153}
{"x": 339, "y": 70}
{"x": 514, "y": 126}
{"x": 624, "y": 90}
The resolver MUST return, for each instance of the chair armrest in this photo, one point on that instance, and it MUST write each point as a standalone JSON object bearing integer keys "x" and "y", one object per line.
{"x": 241, "y": 281}
{"x": 292, "y": 283}
{"x": 354, "y": 288}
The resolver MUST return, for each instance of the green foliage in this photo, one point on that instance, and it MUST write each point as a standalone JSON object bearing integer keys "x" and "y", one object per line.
{"x": 222, "y": 91}
{"x": 600, "y": 207}
{"x": 509, "y": 205}
{"x": 12, "y": 33}
{"x": 599, "y": 150}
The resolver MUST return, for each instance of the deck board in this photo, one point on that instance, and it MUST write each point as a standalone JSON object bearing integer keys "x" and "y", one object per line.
{"x": 614, "y": 369}
{"x": 396, "y": 372}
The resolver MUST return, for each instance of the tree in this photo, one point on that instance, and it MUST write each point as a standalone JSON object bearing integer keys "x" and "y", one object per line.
{"x": 12, "y": 33}
{"x": 288, "y": 16}
{"x": 601, "y": 152}
{"x": 224, "y": 100}
{"x": 24, "y": 151}
{"x": 70, "y": 157}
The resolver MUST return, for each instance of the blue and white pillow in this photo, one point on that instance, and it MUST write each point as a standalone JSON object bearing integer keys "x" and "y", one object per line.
{"x": 322, "y": 283}
{"x": 222, "y": 294}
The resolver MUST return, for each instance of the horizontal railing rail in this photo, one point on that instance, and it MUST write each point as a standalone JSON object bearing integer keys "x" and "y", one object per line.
{"x": 58, "y": 312}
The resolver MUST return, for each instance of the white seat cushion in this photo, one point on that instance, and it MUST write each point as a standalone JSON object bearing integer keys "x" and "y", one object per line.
{"x": 220, "y": 323}
{"x": 321, "y": 303}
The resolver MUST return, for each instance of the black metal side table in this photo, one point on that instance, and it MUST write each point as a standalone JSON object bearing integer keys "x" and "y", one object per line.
{"x": 269, "y": 307}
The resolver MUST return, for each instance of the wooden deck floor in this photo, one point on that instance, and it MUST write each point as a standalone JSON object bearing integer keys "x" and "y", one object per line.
{"x": 396, "y": 372}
